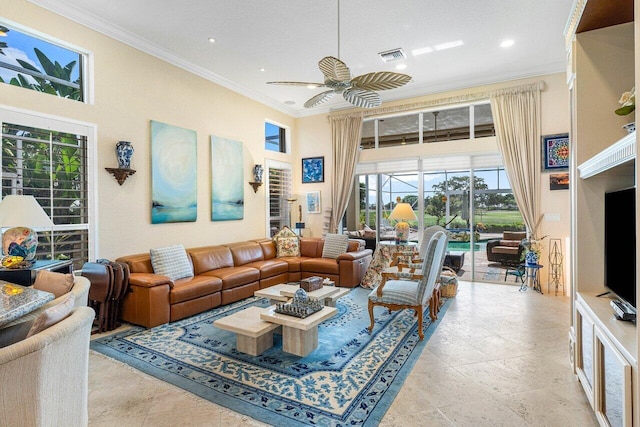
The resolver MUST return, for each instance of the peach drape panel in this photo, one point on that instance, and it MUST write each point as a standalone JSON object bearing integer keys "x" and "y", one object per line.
{"x": 516, "y": 116}
{"x": 346, "y": 133}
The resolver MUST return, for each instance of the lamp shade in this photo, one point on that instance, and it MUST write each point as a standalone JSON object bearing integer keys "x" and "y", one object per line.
{"x": 402, "y": 213}
{"x": 25, "y": 211}
{"x": 21, "y": 213}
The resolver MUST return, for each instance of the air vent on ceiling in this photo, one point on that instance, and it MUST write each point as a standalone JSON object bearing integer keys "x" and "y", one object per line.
{"x": 392, "y": 55}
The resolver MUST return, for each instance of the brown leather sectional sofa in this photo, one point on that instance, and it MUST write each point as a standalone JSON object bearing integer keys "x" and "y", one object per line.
{"x": 227, "y": 273}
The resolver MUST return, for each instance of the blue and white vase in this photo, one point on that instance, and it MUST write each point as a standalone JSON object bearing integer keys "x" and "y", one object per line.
{"x": 124, "y": 151}
{"x": 531, "y": 258}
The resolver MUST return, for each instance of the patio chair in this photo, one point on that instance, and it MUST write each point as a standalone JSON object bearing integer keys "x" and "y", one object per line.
{"x": 412, "y": 289}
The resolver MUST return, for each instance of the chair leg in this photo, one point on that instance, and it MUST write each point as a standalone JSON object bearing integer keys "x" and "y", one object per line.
{"x": 419, "y": 313}
{"x": 370, "y": 328}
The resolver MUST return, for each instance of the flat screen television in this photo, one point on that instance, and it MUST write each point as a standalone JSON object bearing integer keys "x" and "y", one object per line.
{"x": 620, "y": 243}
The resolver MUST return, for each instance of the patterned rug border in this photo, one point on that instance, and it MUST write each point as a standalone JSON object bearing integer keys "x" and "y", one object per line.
{"x": 269, "y": 416}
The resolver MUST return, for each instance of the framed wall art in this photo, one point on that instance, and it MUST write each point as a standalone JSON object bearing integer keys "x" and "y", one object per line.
{"x": 174, "y": 178}
{"x": 227, "y": 179}
{"x": 313, "y": 202}
{"x": 312, "y": 169}
{"x": 559, "y": 181}
{"x": 555, "y": 152}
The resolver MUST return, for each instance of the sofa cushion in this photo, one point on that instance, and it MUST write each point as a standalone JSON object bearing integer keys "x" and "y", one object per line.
{"x": 52, "y": 315}
{"x": 171, "y": 261}
{"x": 209, "y": 258}
{"x": 246, "y": 252}
{"x": 270, "y": 267}
{"x": 334, "y": 245}
{"x": 320, "y": 266}
{"x": 56, "y": 283}
{"x": 194, "y": 287}
{"x": 508, "y": 250}
{"x": 288, "y": 246}
{"x": 235, "y": 276}
{"x": 287, "y": 243}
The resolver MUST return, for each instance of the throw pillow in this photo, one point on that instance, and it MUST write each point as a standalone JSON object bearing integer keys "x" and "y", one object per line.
{"x": 287, "y": 243}
{"x": 334, "y": 245}
{"x": 56, "y": 283}
{"x": 368, "y": 232}
{"x": 287, "y": 246}
{"x": 52, "y": 315}
{"x": 171, "y": 261}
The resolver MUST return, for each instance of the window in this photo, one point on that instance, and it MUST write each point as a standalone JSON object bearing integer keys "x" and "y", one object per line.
{"x": 279, "y": 189}
{"x": 51, "y": 166}
{"x": 443, "y": 124}
{"x": 275, "y": 138}
{"x": 34, "y": 63}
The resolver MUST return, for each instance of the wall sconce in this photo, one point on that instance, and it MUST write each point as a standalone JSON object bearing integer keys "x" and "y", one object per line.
{"x": 257, "y": 177}
{"x": 124, "y": 151}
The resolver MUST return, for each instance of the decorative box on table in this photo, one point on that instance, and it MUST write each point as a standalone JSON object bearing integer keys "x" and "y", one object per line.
{"x": 312, "y": 283}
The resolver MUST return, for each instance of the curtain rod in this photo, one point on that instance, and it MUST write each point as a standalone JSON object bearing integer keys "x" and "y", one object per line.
{"x": 540, "y": 86}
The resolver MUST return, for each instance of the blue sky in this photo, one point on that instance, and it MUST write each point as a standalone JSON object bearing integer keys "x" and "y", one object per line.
{"x": 21, "y": 46}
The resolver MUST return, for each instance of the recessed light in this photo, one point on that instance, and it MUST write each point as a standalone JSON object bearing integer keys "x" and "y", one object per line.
{"x": 507, "y": 43}
{"x": 289, "y": 102}
{"x": 262, "y": 69}
{"x": 211, "y": 40}
{"x": 421, "y": 51}
{"x": 401, "y": 66}
{"x": 312, "y": 86}
{"x": 448, "y": 45}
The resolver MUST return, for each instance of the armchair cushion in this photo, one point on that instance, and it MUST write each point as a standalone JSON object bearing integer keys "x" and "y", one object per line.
{"x": 56, "y": 283}
{"x": 335, "y": 245}
{"x": 403, "y": 292}
{"x": 52, "y": 315}
{"x": 171, "y": 261}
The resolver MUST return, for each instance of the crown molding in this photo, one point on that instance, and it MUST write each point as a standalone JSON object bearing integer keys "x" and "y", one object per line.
{"x": 100, "y": 25}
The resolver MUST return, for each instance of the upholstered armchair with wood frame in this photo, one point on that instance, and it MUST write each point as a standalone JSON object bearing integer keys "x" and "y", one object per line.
{"x": 412, "y": 289}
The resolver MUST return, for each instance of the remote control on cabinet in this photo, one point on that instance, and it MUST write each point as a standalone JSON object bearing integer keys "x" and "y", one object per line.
{"x": 621, "y": 311}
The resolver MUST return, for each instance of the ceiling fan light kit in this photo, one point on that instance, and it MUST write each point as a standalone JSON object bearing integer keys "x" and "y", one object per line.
{"x": 360, "y": 91}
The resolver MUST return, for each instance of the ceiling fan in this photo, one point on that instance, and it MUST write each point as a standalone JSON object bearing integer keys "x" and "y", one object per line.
{"x": 359, "y": 91}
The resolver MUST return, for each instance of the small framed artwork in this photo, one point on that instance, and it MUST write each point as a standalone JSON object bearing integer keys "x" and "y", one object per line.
{"x": 313, "y": 202}
{"x": 312, "y": 169}
{"x": 559, "y": 181}
{"x": 555, "y": 149}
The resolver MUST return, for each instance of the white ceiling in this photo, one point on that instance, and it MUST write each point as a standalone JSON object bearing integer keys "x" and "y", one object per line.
{"x": 288, "y": 37}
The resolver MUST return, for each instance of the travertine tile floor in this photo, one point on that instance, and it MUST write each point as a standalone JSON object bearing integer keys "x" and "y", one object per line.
{"x": 499, "y": 358}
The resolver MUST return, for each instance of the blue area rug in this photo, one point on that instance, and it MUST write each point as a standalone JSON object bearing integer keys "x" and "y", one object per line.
{"x": 350, "y": 379}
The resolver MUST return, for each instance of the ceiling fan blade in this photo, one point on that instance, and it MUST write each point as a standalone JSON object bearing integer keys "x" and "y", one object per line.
{"x": 380, "y": 80}
{"x": 334, "y": 70}
{"x": 298, "y": 84}
{"x": 320, "y": 98}
{"x": 362, "y": 98}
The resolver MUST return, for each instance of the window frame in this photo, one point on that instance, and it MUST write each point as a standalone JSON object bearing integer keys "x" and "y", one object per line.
{"x": 86, "y": 65}
{"x": 285, "y": 213}
{"x": 62, "y": 124}
{"x": 284, "y": 136}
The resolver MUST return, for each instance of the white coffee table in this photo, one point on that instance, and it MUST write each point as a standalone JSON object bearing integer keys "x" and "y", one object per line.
{"x": 282, "y": 293}
{"x": 253, "y": 335}
{"x": 299, "y": 336}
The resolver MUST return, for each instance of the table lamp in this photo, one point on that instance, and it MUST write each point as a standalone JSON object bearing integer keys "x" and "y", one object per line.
{"x": 21, "y": 213}
{"x": 401, "y": 213}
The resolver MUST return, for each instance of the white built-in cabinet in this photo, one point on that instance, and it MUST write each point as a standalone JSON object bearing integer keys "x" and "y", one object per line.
{"x": 601, "y": 65}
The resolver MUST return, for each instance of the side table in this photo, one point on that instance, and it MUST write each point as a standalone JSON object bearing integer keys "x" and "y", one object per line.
{"x": 533, "y": 277}
{"x": 26, "y": 276}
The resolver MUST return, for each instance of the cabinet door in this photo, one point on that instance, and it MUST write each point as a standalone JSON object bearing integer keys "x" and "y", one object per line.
{"x": 585, "y": 350}
{"x": 613, "y": 384}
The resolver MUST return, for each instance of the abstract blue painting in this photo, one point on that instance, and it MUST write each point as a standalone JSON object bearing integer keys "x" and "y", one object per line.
{"x": 312, "y": 169}
{"x": 227, "y": 179}
{"x": 174, "y": 174}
